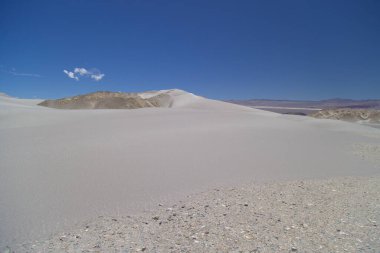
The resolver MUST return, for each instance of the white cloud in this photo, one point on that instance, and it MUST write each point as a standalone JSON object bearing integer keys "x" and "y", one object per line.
{"x": 82, "y": 72}
{"x": 70, "y": 74}
{"x": 97, "y": 77}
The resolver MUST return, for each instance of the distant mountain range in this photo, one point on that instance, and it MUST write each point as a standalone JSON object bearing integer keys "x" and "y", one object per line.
{"x": 321, "y": 104}
{"x": 361, "y": 111}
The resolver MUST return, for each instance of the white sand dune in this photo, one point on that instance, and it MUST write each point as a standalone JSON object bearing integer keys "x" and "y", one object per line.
{"x": 58, "y": 167}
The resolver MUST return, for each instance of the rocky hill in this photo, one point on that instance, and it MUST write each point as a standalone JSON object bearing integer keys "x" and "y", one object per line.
{"x": 352, "y": 115}
{"x": 321, "y": 104}
{"x": 112, "y": 100}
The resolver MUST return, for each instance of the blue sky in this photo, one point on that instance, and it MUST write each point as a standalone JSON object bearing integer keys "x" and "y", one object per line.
{"x": 295, "y": 49}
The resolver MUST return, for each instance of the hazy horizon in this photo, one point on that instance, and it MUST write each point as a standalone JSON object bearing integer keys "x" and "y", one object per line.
{"x": 226, "y": 99}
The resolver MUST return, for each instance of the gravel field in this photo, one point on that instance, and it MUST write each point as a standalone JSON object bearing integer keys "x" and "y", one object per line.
{"x": 334, "y": 215}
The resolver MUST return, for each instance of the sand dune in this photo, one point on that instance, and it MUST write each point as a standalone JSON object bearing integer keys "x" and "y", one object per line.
{"x": 59, "y": 167}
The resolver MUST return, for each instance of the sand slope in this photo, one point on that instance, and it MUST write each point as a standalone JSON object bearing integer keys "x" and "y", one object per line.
{"x": 59, "y": 167}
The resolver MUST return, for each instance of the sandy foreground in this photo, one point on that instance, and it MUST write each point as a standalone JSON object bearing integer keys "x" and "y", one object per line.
{"x": 61, "y": 167}
{"x": 335, "y": 215}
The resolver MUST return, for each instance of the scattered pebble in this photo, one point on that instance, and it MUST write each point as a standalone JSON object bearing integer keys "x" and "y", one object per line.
{"x": 335, "y": 215}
